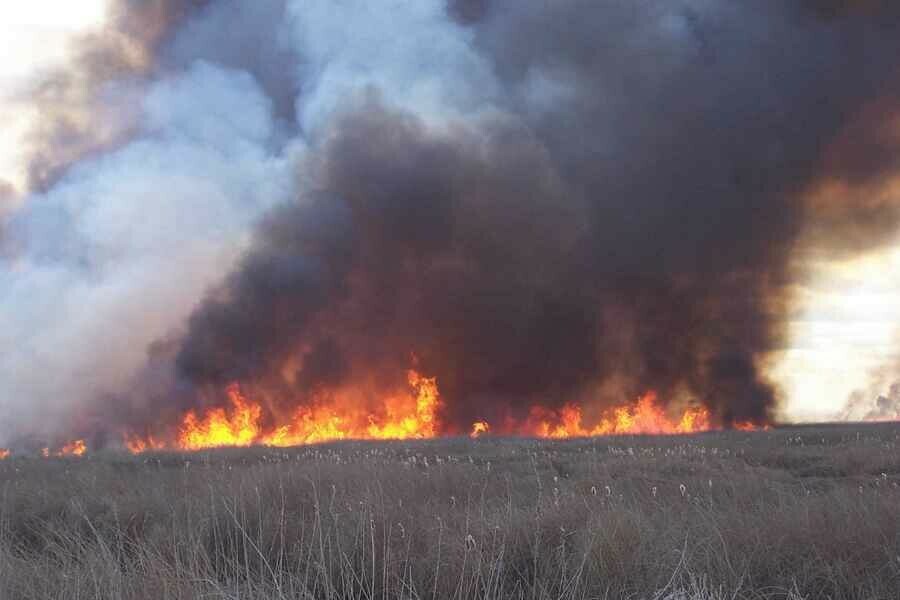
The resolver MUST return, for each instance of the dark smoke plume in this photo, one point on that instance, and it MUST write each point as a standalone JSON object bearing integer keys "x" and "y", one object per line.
{"x": 630, "y": 216}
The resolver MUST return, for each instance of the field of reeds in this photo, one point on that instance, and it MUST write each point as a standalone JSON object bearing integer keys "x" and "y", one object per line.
{"x": 809, "y": 513}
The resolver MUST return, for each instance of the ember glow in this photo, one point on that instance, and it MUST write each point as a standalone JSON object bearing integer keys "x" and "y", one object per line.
{"x": 4, "y": 453}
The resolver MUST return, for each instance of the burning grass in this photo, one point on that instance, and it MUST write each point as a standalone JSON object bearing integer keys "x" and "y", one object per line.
{"x": 788, "y": 513}
{"x": 245, "y": 419}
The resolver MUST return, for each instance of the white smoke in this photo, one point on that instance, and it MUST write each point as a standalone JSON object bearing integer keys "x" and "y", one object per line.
{"x": 120, "y": 250}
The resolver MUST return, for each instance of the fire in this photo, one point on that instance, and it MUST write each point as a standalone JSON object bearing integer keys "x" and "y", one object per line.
{"x": 76, "y": 448}
{"x": 73, "y": 448}
{"x": 420, "y": 424}
{"x": 410, "y": 413}
{"x": 4, "y": 453}
{"x": 136, "y": 444}
{"x": 237, "y": 427}
{"x": 643, "y": 417}
{"x": 479, "y": 428}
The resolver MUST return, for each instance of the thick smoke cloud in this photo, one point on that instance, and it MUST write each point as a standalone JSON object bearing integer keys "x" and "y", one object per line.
{"x": 629, "y": 216}
{"x": 118, "y": 251}
{"x": 412, "y": 246}
{"x": 535, "y": 202}
{"x": 259, "y": 46}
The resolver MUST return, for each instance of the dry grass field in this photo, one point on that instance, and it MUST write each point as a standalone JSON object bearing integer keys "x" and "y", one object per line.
{"x": 809, "y": 513}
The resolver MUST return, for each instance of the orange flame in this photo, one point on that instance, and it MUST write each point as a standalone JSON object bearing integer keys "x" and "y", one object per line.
{"x": 749, "y": 426}
{"x": 644, "y": 417}
{"x": 410, "y": 413}
{"x": 73, "y": 448}
{"x": 136, "y": 444}
{"x": 219, "y": 428}
{"x": 4, "y": 453}
{"x": 479, "y": 428}
{"x": 404, "y": 416}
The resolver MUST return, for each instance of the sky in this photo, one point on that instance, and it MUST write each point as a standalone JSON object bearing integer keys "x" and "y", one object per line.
{"x": 846, "y": 325}
{"x": 35, "y": 36}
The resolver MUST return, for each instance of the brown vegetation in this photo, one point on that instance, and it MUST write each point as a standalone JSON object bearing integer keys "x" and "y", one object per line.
{"x": 792, "y": 513}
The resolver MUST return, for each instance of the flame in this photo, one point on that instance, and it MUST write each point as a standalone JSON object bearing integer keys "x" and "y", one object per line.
{"x": 479, "y": 428}
{"x": 73, "y": 448}
{"x": 749, "y": 426}
{"x": 239, "y": 427}
{"x": 402, "y": 416}
{"x": 136, "y": 444}
{"x": 4, "y": 453}
{"x": 407, "y": 414}
{"x": 643, "y": 417}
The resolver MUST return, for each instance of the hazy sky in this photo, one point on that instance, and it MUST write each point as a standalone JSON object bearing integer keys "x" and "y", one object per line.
{"x": 847, "y": 325}
{"x": 35, "y": 36}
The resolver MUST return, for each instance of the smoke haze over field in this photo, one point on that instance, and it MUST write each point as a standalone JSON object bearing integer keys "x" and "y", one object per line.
{"x": 537, "y": 203}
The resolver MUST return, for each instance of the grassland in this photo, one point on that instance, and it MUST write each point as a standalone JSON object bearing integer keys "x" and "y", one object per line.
{"x": 792, "y": 513}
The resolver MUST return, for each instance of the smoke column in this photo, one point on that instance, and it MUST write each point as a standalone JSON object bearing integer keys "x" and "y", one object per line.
{"x": 537, "y": 203}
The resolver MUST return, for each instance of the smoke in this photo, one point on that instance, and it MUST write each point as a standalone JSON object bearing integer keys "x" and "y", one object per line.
{"x": 536, "y": 203}
{"x": 119, "y": 249}
{"x": 880, "y": 401}
{"x": 863, "y": 407}
{"x": 90, "y": 104}
{"x": 629, "y": 213}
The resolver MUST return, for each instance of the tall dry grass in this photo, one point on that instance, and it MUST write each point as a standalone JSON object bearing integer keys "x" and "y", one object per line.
{"x": 806, "y": 513}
